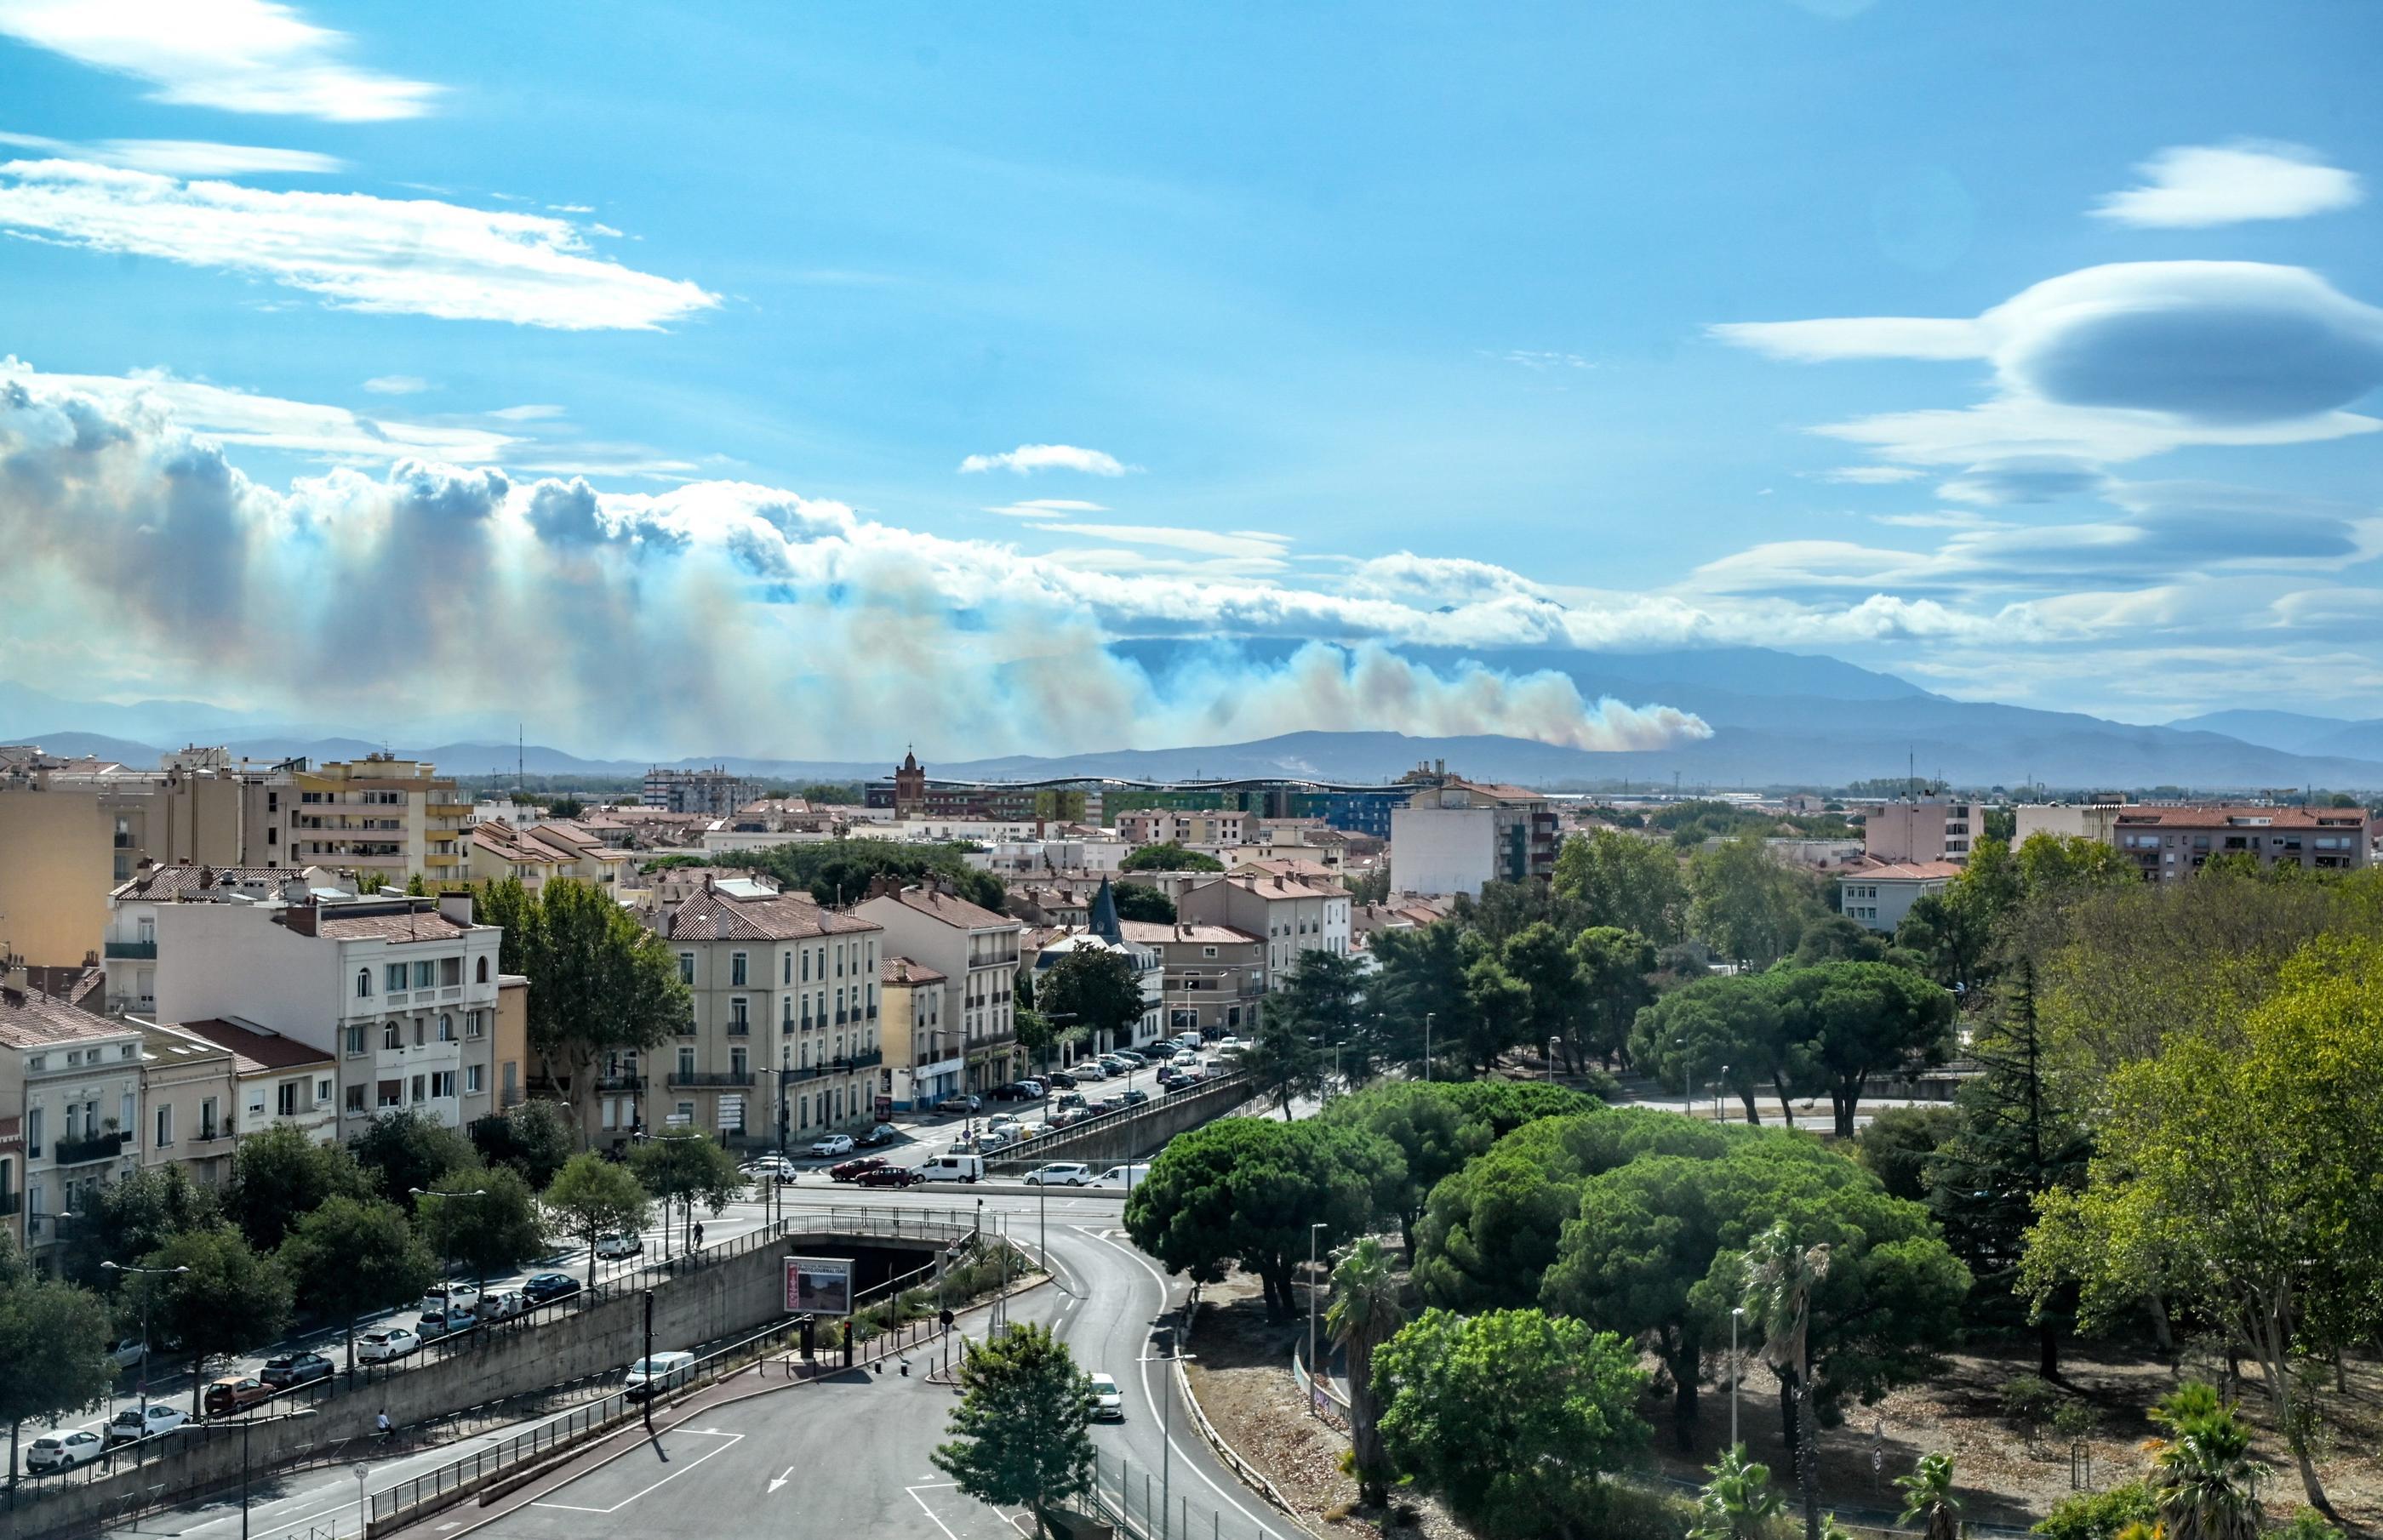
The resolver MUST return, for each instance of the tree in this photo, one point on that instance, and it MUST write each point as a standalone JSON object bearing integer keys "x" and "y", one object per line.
{"x": 1540, "y": 959}
{"x": 1610, "y": 968}
{"x": 1322, "y": 1003}
{"x": 1512, "y": 1416}
{"x": 1928, "y": 1498}
{"x": 1022, "y": 1431}
{"x": 1366, "y": 1310}
{"x": 565, "y": 808}
{"x": 1421, "y": 976}
{"x": 609, "y": 984}
{"x": 1280, "y": 1059}
{"x": 1728, "y": 1027}
{"x": 2204, "y": 1484}
{"x": 1496, "y": 1011}
{"x": 233, "y": 1297}
{"x": 279, "y": 1174}
{"x": 591, "y": 1197}
{"x": 1781, "y": 1277}
{"x": 1624, "y": 882}
{"x": 1850, "y": 1021}
{"x": 1833, "y": 938}
{"x": 1950, "y": 938}
{"x": 54, "y": 1340}
{"x": 487, "y": 1233}
{"x": 680, "y": 1165}
{"x": 1899, "y": 1147}
{"x": 133, "y": 1217}
{"x": 1169, "y": 856}
{"x": 1746, "y": 905}
{"x": 534, "y": 1138}
{"x": 1098, "y": 987}
{"x": 1438, "y": 1125}
{"x": 349, "y": 1256}
{"x": 1738, "y": 1502}
{"x": 409, "y": 1149}
{"x": 1246, "y": 1190}
{"x": 2236, "y": 1173}
{"x": 1141, "y": 901}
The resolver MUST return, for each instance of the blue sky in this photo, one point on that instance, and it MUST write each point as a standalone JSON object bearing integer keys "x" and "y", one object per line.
{"x": 1366, "y": 324}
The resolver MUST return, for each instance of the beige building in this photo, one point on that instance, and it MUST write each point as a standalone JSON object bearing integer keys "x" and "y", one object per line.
{"x": 189, "y": 1087}
{"x": 922, "y": 1062}
{"x": 1922, "y": 830}
{"x": 1292, "y": 914}
{"x": 495, "y": 850}
{"x": 510, "y": 1045}
{"x": 277, "y": 1080}
{"x": 1877, "y": 896}
{"x": 2167, "y": 843}
{"x": 57, "y": 857}
{"x": 386, "y": 819}
{"x": 71, "y": 1081}
{"x": 976, "y": 951}
{"x": 1216, "y": 976}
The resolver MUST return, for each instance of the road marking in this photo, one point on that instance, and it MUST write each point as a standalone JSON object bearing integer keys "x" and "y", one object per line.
{"x": 734, "y": 1439}
{"x": 780, "y": 1480}
{"x": 929, "y": 1512}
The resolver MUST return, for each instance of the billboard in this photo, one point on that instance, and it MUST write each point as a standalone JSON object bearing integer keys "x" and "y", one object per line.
{"x": 819, "y": 1285}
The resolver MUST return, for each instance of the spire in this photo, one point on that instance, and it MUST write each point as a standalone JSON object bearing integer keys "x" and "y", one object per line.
{"x": 1103, "y": 921}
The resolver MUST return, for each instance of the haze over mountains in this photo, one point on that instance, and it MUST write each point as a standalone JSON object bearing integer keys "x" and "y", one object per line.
{"x": 1777, "y": 719}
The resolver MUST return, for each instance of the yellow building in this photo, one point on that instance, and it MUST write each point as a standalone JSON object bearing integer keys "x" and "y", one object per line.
{"x": 57, "y": 865}
{"x": 384, "y": 818}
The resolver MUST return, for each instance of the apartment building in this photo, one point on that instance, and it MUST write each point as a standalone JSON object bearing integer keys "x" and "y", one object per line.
{"x": 383, "y": 818}
{"x": 129, "y": 950}
{"x": 510, "y": 1047}
{"x": 61, "y": 860}
{"x": 785, "y": 1020}
{"x": 275, "y": 1079}
{"x": 923, "y": 1062}
{"x": 1877, "y": 897}
{"x": 713, "y": 793}
{"x": 189, "y": 1087}
{"x": 1201, "y": 826}
{"x": 1456, "y": 836}
{"x": 1213, "y": 976}
{"x": 495, "y": 850}
{"x": 70, "y": 1081}
{"x": 976, "y": 951}
{"x": 2167, "y": 844}
{"x": 1104, "y": 931}
{"x": 1921, "y": 830}
{"x": 400, "y": 992}
{"x": 1294, "y": 916}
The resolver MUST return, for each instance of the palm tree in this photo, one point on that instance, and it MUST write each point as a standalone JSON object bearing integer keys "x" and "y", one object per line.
{"x": 1366, "y": 1311}
{"x": 1737, "y": 1503}
{"x": 1928, "y": 1497}
{"x": 1780, "y": 1278}
{"x": 2205, "y": 1482}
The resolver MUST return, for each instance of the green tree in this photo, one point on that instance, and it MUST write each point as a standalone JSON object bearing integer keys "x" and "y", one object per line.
{"x": 1141, "y": 901}
{"x": 1850, "y": 1021}
{"x": 1021, "y": 1434}
{"x": 1539, "y": 958}
{"x": 1728, "y": 1027}
{"x": 684, "y": 1165}
{"x": 1280, "y": 1059}
{"x": 1746, "y": 905}
{"x": 488, "y": 1234}
{"x": 1512, "y": 1416}
{"x": 840, "y": 871}
{"x": 1611, "y": 967}
{"x": 1899, "y": 1147}
{"x": 1949, "y": 937}
{"x": 54, "y": 1340}
{"x": 533, "y": 1137}
{"x": 1928, "y": 1498}
{"x": 1497, "y": 1012}
{"x": 133, "y": 1217}
{"x": 233, "y": 1297}
{"x": 591, "y": 1197}
{"x": 1438, "y": 1125}
{"x": 1322, "y": 1003}
{"x": 1780, "y": 1278}
{"x": 1169, "y": 856}
{"x": 409, "y": 1149}
{"x": 1367, "y": 1310}
{"x": 1097, "y": 987}
{"x": 608, "y": 985}
{"x": 350, "y": 1256}
{"x": 1833, "y": 938}
{"x": 279, "y": 1174}
{"x": 1737, "y": 1503}
{"x": 1624, "y": 883}
{"x": 2204, "y": 1482}
{"x": 1246, "y": 1190}
{"x": 1420, "y": 978}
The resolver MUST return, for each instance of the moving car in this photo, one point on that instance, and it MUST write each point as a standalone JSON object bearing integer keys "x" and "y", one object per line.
{"x": 885, "y": 1133}
{"x": 439, "y": 1323}
{"x": 1120, "y": 1177}
{"x": 832, "y": 1144}
{"x": 1130, "y": 1057}
{"x": 619, "y": 1245}
{"x": 1185, "y": 1081}
{"x": 1186, "y": 1061}
{"x": 1115, "y": 1064}
{"x": 955, "y": 1167}
{"x": 502, "y": 1304}
{"x": 132, "y": 1424}
{"x": 129, "y": 1352}
{"x": 1059, "y": 1079}
{"x": 284, "y": 1369}
{"x": 1228, "y": 1047}
{"x": 64, "y": 1451}
{"x": 233, "y": 1392}
{"x": 546, "y": 1288}
{"x": 850, "y": 1169}
{"x": 888, "y": 1176}
{"x": 995, "y": 1139}
{"x": 1134, "y": 1096}
{"x": 386, "y": 1345}
{"x": 766, "y": 1167}
{"x": 958, "y": 1105}
{"x": 1109, "y": 1402}
{"x": 661, "y": 1372}
{"x": 1059, "y": 1173}
{"x": 459, "y": 1296}
{"x": 1072, "y": 1099}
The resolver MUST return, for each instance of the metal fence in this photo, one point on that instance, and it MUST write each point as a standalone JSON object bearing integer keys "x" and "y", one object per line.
{"x": 1029, "y": 1152}
{"x": 1143, "y": 1502}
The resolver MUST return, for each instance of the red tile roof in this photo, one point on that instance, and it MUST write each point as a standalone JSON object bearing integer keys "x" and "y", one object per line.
{"x": 1151, "y": 933}
{"x": 33, "y": 1020}
{"x": 780, "y": 917}
{"x": 1901, "y": 871}
{"x": 2243, "y": 818}
{"x": 425, "y": 924}
{"x": 902, "y": 970}
{"x": 958, "y": 913}
{"x": 258, "y": 1048}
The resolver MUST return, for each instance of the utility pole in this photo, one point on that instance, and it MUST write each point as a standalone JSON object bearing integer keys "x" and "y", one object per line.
{"x": 1312, "y": 1231}
{"x": 649, "y": 1361}
{"x": 145, "y": 1292}
{"x": 1427, "y": 1045}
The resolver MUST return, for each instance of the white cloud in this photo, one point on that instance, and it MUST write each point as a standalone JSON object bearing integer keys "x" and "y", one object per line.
{"x": 1028, "y": 458}
{"x": 396, "y": 384}
{"x": 183, "y": 157}
{"x": 1244, "y": 544}
{"x": 533, "y": 412}
{"x": 1857, "y": 336}
{"x": 2195, "y": 186}
{"x": 416, "y": 257}
{"x": 241, "y": 56}
{"x": 1532, "y": 357}
{"x": 1046, "y": 508}
{"x": 1946, "y": 520}
{"x": 1872, "y": 475}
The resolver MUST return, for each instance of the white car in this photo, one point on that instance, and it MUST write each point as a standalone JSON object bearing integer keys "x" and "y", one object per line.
{"x": 1185, "y": 1061}
{"x": 459, "y": 1296}
{"x": 436, "y": 1323}
{"x": 621, "y": 1245}
{"x": 129, "y": 1352}
{"x": 763, "y": 1167}
{"x": 502, "y": 1304}
{"x": 1109, "y": 1402}
{"x": 133, "y": 1423}
{"x": 833, "y": 1144}
{"x": 1059, "y": 1173}
{"x": 1227, "y": 1048}
{"x": 64, "y": 1451}
{"x": 386, "y": 1345}
{"x": 1091, "y": 1069}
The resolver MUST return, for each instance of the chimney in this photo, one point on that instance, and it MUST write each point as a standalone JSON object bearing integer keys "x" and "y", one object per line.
{"x": 456, "y": 906}
{"x": 720, "y": 925}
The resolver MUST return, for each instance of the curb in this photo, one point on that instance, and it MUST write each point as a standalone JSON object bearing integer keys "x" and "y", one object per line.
{"x": 1250, "y": 1476}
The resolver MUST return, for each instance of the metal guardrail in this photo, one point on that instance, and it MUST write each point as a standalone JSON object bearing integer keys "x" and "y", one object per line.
{"x": 1028, "y": 1153}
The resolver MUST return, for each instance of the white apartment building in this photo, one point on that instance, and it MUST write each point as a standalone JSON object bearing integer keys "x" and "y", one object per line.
{"x": 275, "y": 1079}
{"x": 400, "y": 992}
{"x": 1295, "y": 915}
{"x": 785, "y": 1005}
{"x": 129, "y": 950}
{"x": 976, "y": 951}
{"x": 1879, "y": 896}
{"x": 70, "y": 1084}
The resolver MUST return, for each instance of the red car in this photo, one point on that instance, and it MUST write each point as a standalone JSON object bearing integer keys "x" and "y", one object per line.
{"x": 852, "y": 1170}
{"x": 887, "y": 1176}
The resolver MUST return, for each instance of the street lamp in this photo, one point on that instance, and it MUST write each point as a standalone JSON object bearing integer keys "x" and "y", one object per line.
{"x": 480, "y": 1275}
{"x": 1719, "y": 1091}
{"x": 1735, "y": 1317}
{"x": 1688, "y": 1069}
{"x": 1312, "y": 1230}
{"x": 151, "y": 1272}
{"x": 1166, "y": 1430}
{"x": 1552, "y": 1044}
{"x": 1426, "y": 1044}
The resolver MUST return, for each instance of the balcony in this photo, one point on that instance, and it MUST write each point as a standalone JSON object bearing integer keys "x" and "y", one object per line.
{"x": 713, "y": 1079}
{"x": 144, "y": 950}
{"x": 93, "y": 1147}
{"x": 511, "y": 1097}
{"x": 11, "y": 1203}
{"x": 619, "y": 1082}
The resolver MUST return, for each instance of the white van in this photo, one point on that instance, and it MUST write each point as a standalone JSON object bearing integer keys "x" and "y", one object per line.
{"x": 1121, "y": 1178}
{"x": 953, "y": 1168}
{"x": 661, "y": 1372}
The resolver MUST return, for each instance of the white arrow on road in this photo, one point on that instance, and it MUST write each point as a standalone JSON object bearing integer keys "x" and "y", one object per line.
{"x": 778, "y": 1481}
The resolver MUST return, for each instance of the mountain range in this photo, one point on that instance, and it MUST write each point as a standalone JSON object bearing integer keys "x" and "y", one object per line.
{"x": 1779, "y": 719}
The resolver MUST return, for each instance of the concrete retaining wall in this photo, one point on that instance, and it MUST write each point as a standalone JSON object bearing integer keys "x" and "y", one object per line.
{"x": 1130, "y": 1136}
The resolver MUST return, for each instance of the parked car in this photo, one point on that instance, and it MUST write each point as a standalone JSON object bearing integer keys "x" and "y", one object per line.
{"x": 849, "y": 1169}
{"x": 884, "y": 1134}
{"x": 1120, "y": 1177}
{"x": 386, "y": 1345}
{"x": 1036, "y": 1087}
{"x": 1091, "y": 1069}
{"x": 619, "y": 1245}
{"x": 1109, "y": 1402}
{"x": 955, "y": 1105}
{"x": 888, "y": 1176}
{"x": 1228, "y": 1047}
{"x": 1059, "y": 1173}
{"x": 502, "y": 1304}
{"x": 547, "y": 1287}
{"x": 762, "y": 1168}
{"x": 1059, "y": 1079}
{"x": 1012, "y": 1093}
{"x": 128, "y": 1352}
{"x": 64, "y": 1451}
{"x": 1134, "y": 1096}
{"x": 284, "y": 1369}
{"x": 1114, "y": 1063}
{"x": 458, "y": 1296}
{"x": 831, "y": 1145}
{"x": 1130, "y": 1057}
{"x": 436, "y": 1323}
{"x": 132, "y": 1424}
{"x": 1186, "y": 1061}
{"x": 231, "y": 1393}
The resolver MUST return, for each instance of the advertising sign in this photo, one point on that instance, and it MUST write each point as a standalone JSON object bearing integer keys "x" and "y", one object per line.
{"x": 819, "y": 1285}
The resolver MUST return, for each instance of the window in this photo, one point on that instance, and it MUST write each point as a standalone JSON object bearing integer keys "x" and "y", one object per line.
{"x": 484, "y": 971}
{"x": 685, "y": 1113}
{"x": 422, "y": 974}
{"x": 737, "y": 1063}
{"x": 388, "y": 1036}
{"x": 472, "y": 1080}
{"x": 442, "y": 1083}
{"x": 323, "y": 1091}
{"x": 786, "y": 968}
{"x": 395, "y": 982}
{"x": 207, "y": 1129}
{"x": 446, "y": 1027}
{"x": 806, "y": 967}
{"x": 33, "y": 1133}
{"x": 736, "y": 969}
{"x": 355, "y": 1100}
{"x": 418, "y": 1093}
{"x": 474, "y": 1024}
{"x": 739, "y": 1025}
{"x": 450, "y": 970}
{"x": 685, "y": 1063}
{"x": 687, "y": 968}
{"x": 364, "y": 983}
{"x": 355, "y": 1038}
{"x": 165, "y": 1125}
{"x": 786, "y": 1015}
{"x": 391, "y": 1093}
{"x": 285, "y": 1098}
{"x": 1207, "y": 952}
{"x": 420, "y": 1029}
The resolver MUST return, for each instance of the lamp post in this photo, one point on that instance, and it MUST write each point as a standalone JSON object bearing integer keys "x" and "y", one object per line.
{"x": 1688, "y": 1069}
{"x": 1552, "y": 1043}
{"x": 1166, "y": 1429}
{"x": 1719, "y": 1091}
{"x": 1312, "y": 1230}
{"x": 1735, "y": 1316}
{"x": 151, "y": 1272}
{"x": 1427, "y": 1045}
{"x": 480, "y": 1274}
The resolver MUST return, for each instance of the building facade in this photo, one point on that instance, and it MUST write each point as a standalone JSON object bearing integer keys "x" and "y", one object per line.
{"x": 976, "y": 951}
{"x": 923, "y": 1064}
{"x": 189, "y": 1087}
{"x": 1293, "y": 917}
{"x": 713, "y": 793}
{"x": 383, "y": 818}
{"x": 1213, "y": 976}
{"x": 1922, "y": 830}
{"x": 72, "y": 1082}
{"x": 1877, "y": 897}
{"x": 1456, "y": 836}
{"x": 2165, "y": 844}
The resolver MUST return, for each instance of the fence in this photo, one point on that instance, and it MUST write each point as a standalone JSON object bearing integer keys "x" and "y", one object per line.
{"x": 1028, "y": 1153}
{"x": 1327, "y": 1403}
{"x": 1143, "y": 1502}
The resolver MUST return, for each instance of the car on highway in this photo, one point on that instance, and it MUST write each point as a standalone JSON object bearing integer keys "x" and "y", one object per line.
{"x": 847, "y": 1170}
{"x": 546, "y": 1288}
{"x": 231, "y": 1393}
{"x": 1228, "y": 1047}
{"x": 284, "y": 1369}
{"x": 1109, "y": 1402}
{"x": 1059, "y": 1173}
{"x": 762, "y": 1168}
{"x": 888, "y": 1176}
{"x": 1115, "y": 1064}
{"x": 1133, "y": 1096}
{"x": 955, "y": 1166}
{"x": 831, "y": 1145}
{"x": 1186, "y": 1061}
{"x": 133, "y": 1423}
{"x": 502, "y": 1304}
{"x": 1059, "y": 1079}
{"x": 1133, "y": 1058}
{"x": 1185, "y": 1081}
{"x": 1072, "y": 1098}
{"x": 1091, "y": 1069}
{"x": 995, "y": 1139}
{"x": 884, "y": 1134}
{"x": 1117, "y": 1178}
{"x": 619, "y": 1244}
{"x": 386, "y": 1345}
{"x": 955, "y": 1105}
{"x": 64, "y": 1451}
{"x": 455, "y": 1296}
{"x": 436, "y": 1323}
{"x": 129, "y": 1351}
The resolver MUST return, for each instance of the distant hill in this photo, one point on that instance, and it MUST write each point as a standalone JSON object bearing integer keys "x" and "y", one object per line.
{"x": 2326, "y": 737}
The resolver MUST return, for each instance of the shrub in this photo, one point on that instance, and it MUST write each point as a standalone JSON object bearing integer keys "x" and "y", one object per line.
{"x": 2075, "y": 1418}
{"x": 2307, "y": 1523}
{"x": 2098, "y": 1515}
{"x": 2030, "y": 1401}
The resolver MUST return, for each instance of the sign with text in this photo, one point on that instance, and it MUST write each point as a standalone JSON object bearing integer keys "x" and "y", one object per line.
{"x": 819, "y": 1285}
